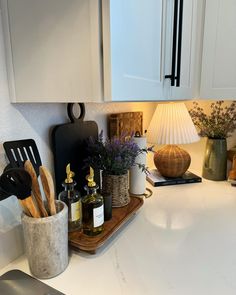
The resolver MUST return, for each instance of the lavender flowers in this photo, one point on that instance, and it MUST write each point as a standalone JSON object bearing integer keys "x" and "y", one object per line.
{"x": 114, "y": 156}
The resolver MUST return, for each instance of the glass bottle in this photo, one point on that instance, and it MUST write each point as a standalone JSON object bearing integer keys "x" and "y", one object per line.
{"x": 92, "y": 208}
{"x": 72, "y": 198}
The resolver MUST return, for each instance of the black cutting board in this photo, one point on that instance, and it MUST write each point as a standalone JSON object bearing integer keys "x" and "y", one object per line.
{"x": 16, "y": 282}
{"x": 69, "y": 145}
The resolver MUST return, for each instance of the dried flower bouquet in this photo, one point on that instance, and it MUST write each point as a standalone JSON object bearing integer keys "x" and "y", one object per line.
{"x": 219, "y": 124}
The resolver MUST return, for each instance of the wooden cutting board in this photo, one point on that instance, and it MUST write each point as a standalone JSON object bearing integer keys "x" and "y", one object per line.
{"x": 69, "y": 145}
{"x": 129, "y": 122}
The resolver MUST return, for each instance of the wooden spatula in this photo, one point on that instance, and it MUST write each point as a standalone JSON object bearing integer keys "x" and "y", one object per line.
{"x": 35, "y": 187}
{"x": 48, "y": 187}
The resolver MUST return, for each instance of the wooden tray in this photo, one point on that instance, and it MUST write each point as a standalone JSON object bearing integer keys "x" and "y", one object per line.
{"x": 79, "y": 241}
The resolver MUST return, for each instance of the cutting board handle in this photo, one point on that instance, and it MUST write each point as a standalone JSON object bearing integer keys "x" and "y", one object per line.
{"x": 71, "y": 114}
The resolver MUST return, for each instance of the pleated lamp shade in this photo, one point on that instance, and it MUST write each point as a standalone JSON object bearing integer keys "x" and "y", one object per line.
{"x": 171, "y": 124}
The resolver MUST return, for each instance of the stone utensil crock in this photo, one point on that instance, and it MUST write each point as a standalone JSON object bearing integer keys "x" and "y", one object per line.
{"x": 46, "y": 242}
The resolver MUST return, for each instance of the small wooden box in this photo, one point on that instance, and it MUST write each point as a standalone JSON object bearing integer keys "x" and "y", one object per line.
{"x": 127, "y": 123}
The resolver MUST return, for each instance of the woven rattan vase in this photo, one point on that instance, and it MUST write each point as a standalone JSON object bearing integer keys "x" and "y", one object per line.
{"x": 172, "y": 161}
{"x": 118, "y": 187}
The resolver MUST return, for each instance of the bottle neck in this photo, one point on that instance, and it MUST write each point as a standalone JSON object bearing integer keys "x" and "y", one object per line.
{"x": 69, "y": 186}
{"x": 91, "y": 190}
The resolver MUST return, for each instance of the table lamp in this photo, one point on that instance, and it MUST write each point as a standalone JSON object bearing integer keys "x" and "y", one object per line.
{"x": 171, "y": 124}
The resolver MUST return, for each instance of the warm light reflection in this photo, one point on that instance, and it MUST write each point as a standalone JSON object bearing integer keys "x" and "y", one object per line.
{"x": 170, "y": 220}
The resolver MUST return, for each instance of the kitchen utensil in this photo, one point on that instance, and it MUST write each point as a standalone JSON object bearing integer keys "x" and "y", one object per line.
{"x": 16, "y": 282}
{"x": 19, "y": 151}
{"x": 69, "y": 145}
{"x": 48, "y": 187}
{"x": 17, "y": 181}
{"x": 35, "y": 187}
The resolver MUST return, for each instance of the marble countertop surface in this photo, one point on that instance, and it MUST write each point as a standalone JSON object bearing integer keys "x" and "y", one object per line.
{"x": 182, "y": 241}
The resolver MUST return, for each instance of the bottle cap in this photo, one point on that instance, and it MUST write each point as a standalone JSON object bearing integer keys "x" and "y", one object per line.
{"x": 90, "y": 178}
{"x": 69, "y": 175}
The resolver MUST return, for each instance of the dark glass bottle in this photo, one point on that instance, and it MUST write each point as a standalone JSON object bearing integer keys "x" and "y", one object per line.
{"x": 92, "y": 208}
{"x": 72, "y": 198}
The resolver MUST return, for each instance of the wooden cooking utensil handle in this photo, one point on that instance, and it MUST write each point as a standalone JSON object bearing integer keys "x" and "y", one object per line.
{"x": 48, "y": 187}
{"x": 29, "y": 206}
{"x": 35, "y": 187}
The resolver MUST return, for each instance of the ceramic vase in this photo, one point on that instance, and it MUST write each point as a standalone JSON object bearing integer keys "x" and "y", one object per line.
{"x": 215, "y": 160}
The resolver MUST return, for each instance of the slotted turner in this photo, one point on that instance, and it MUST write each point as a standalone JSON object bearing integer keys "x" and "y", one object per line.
{"x": 19, "y": 151}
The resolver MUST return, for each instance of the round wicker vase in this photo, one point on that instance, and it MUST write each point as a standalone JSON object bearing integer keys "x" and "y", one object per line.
{"x": 172, "y": 161}
{"x": 118, "y": 187}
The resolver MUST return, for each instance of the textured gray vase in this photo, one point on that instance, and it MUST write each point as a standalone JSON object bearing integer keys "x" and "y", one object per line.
{"x": 215, "y": 160}
{"x": 46, "y": 242}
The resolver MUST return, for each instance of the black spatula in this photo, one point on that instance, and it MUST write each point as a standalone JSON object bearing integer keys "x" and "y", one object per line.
{"x": 19, "y": 151}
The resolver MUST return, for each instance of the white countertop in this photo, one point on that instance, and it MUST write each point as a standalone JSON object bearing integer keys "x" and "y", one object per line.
{"x": 181, "y": 242}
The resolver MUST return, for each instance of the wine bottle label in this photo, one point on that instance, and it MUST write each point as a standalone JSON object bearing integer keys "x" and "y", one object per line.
{"x": 98, "y": 216}
{"x": 75, "y": 211}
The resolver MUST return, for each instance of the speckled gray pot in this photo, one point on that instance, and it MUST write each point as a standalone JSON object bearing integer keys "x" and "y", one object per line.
{"x": 46, "y": 242}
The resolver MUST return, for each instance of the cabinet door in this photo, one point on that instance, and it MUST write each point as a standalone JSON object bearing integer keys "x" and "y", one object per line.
{"x": 133, "y": 49}
{"x": 53, "y": 50}
{"x": 190, "y": 50}
{"x": 218, "y": 79}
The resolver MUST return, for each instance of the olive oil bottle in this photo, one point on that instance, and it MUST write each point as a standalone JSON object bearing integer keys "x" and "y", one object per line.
{"x": 72, "y": 198}
{"x": 92, "y": 208}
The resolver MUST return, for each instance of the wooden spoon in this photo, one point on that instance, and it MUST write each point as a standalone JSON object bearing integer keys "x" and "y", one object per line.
{"x": 35, "y": 187}
{"x": 48, "y": 187}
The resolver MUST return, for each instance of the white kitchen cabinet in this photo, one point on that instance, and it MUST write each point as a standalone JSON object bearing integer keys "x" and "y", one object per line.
{"x": 137, "y": 43}
{"x": 98, "y": 50}
{"x": 218, "y": 77}
{"x": 190, "y": 51}
{"x": 53, "y": 50}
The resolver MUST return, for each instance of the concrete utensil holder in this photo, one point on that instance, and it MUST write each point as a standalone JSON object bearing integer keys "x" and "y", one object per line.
{"x": 46, "y": 242}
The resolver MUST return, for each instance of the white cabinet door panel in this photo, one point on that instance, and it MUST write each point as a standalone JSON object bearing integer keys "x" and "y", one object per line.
{"x": 218, "y": 79}
{"x": 189, "y": 53}
{"x": 133, "y": 49}
{"x": 54, "y": 50}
